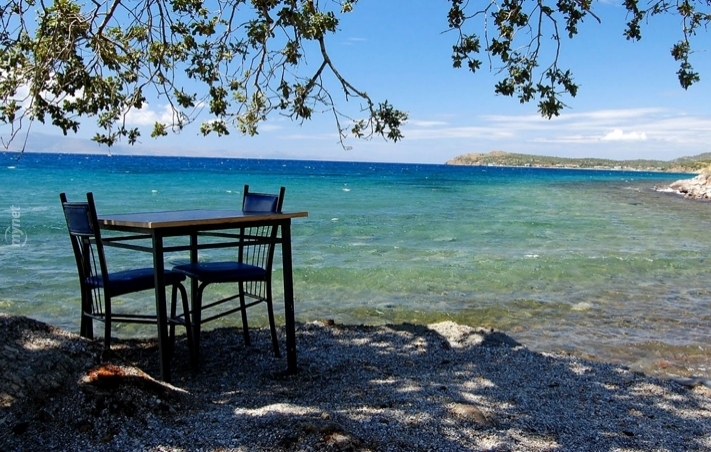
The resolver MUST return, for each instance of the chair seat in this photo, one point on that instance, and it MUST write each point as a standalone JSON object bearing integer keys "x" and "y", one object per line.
{"x": 222, "y": 272}
{"x": 135, "y": 280}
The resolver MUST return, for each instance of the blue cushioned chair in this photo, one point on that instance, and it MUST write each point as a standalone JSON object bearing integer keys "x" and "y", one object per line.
{"x": 252, "y": 271}
{"x": 99, "y": 287}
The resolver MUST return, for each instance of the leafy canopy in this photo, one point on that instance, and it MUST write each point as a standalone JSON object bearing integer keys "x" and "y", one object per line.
{"x": 233, "y": 63}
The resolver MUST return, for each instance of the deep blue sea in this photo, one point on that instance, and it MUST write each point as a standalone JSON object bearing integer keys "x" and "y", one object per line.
{"x": 594, "y": 263}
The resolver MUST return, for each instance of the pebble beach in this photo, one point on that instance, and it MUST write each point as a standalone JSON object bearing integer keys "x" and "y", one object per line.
{"x": 406, "y": 387}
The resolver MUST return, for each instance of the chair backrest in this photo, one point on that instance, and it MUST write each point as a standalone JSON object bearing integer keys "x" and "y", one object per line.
{"x": 259, "y": 242}
{"x": 262, "y": 202}
{"x": 85, "y": 235}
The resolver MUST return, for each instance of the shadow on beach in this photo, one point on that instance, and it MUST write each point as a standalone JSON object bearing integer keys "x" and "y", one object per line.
{"x": 399, "y": 387}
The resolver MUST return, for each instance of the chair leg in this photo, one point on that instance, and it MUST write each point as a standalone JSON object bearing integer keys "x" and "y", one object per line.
{"x": 86, "y": 328}
{"x": 171, "y": 319}
{"x": 107, "y": 322}
{"x": 243, "y": 310}
{"x": 272, "y": 327}
{"x": 186, "y": 322}
{"x": 196, "y": 322}
{"x": 188, "y": 326}
{"x": 107, "y": 331}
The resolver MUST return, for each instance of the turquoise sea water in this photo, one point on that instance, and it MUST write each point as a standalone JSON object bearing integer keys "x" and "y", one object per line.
{"x": 595, "y": 263}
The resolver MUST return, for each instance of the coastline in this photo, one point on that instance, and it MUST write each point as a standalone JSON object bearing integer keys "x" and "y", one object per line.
{"x": 371, "y": 388}
{"x": 576, "y": 168}
{"x": 688, "y": 165}
{"x": 572, "y": 167}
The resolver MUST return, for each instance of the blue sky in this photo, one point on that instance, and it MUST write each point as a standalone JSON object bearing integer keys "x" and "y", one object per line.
{"x": 629, "y": 105}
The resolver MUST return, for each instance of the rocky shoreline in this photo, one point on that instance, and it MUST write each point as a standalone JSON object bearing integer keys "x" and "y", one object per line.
{"x": 698, "y": 187}
{"x": 359, "y": 388}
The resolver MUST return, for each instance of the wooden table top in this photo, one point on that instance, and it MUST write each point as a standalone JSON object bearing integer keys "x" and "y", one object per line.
{"x": 185, "y": 218}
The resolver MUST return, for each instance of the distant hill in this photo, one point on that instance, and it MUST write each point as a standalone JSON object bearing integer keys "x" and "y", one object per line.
{"x": 693, "y": 164}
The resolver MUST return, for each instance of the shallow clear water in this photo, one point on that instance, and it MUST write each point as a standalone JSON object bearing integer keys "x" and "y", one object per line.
{"x": 595, "y": 263}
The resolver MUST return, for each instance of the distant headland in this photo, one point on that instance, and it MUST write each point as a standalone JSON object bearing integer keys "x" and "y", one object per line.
{"x": 695, "y": 164}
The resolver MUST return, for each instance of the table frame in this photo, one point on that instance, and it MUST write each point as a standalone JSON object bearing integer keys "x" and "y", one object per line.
{"x": 157, "y": 226}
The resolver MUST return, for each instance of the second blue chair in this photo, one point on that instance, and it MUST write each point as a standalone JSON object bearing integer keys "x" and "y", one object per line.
{"x": 251, "y": 271}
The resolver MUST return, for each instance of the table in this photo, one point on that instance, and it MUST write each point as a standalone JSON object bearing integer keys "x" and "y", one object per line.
{"x": 156, "y": 226}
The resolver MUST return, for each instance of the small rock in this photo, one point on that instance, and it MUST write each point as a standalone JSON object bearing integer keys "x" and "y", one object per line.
{"x": 469, "y": 412}
{"x": 84, "y": 427}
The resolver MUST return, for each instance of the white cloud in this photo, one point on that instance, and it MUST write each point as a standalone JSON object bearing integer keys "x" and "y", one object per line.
{"x": 307, "y": 137}
{"x": 23, "y": 95}
{"x": 595, "y": 121}
{"x": 417, "y": 123}
{"x": 623, "y": 113}
{"x": 353, "y": 41}
{"x": 619, "y": 135}
{"x": 635, "y": 132}
{"x": 577, "y": 139}
{"x": 471, "y": 132}
{"x": 147, "y": 117}
{"x": 265, "y": 127}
